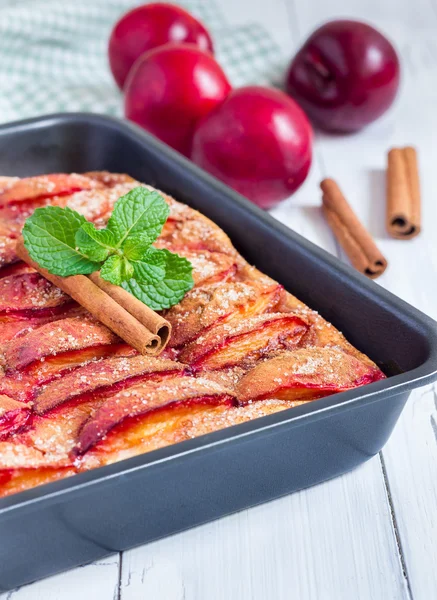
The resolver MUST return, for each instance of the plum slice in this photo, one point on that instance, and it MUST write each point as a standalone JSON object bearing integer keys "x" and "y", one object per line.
{"x": 205, "y": 306}
{"x": 54, "y": 338}
{"x": 18, "y": 268}
{"x": 305, "y": 374}
{"x": 45, "y": 186}
{"x": 321, "y": 333}
{"x": 48, "y": 439}
{"x": 242, "y": 342}
{"x": 23, "y": 385}
{"x": 171, "y": 425}
{"x": 7, "y": 182}
{"x": 17, "y": 453}
{"x": 110, "y": 180}
{"x": 18, "y": 480}
{"x": 101, "y": 375}
{"x": 198, "y": 233}
{"x": 13, "y": 415}
{"x": 210, "y": 267}
{"x": 29, "y": 292}
{"x": 49, "y": 369}
{"x": 55, "y": 434}
{"x": 18, "y": 323}
{"x": 145, "y": 398}
{"x": 7, "y": 250}
{"x": 227, "y": 377}
{"x": 11, "y": 327}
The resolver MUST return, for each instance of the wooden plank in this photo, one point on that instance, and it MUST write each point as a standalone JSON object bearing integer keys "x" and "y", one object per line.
{"x": 98, "y": 581}
{"x": 333, "y": 541}
{"x": 410, "y": 457}
{"x": 410, "y": 460}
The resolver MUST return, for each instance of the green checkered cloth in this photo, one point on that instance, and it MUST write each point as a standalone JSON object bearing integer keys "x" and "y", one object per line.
{"x": 53, "y": 54}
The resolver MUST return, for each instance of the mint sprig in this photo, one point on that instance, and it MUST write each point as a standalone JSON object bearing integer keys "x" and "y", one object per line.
{"x": 96, "y": 243}
{"x": 117, "y": 269}
{"x": 140, "y": 212}
{"x": 160, "y": 291}
{"x": 49, "y": 236}
{"x": 65, "y": 243}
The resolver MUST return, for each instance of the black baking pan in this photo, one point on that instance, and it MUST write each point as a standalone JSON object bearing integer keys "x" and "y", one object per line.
{"x": 63, "y": 524}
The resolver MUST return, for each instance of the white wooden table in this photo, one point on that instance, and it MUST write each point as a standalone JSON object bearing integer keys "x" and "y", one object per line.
{"x": 371, "y": 534}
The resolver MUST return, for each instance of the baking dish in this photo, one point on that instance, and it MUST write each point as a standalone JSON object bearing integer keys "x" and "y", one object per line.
{"x": 63, "y": 524}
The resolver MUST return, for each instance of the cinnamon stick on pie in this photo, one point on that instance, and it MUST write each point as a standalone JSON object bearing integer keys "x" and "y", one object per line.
{"x": 403, "y": 194}
{"x": 130, "y": 319}
{"x": 145, "y": 315}
{"x": 355, "y": 240}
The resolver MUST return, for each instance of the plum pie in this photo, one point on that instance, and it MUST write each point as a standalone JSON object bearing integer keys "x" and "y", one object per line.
{"x": 74, "y": 397}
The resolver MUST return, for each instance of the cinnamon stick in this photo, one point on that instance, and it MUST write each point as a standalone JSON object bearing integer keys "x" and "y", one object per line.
{"x": 141, "y": 335}
{"x": 145, "y": 315}
{"x": 355, "y": 240}
{"x": 403, "y": 193}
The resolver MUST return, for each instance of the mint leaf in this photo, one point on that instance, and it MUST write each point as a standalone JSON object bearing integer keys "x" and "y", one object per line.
{"x": 140, "y": 211}
{"x": 151, "y": 267}
{"x": 160, "y": 293}
{"x": 95, "y": 243}
{"x": 136, "y": 246}
{"x": 116, "y": 269}
{"x": 49, "y": 236}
